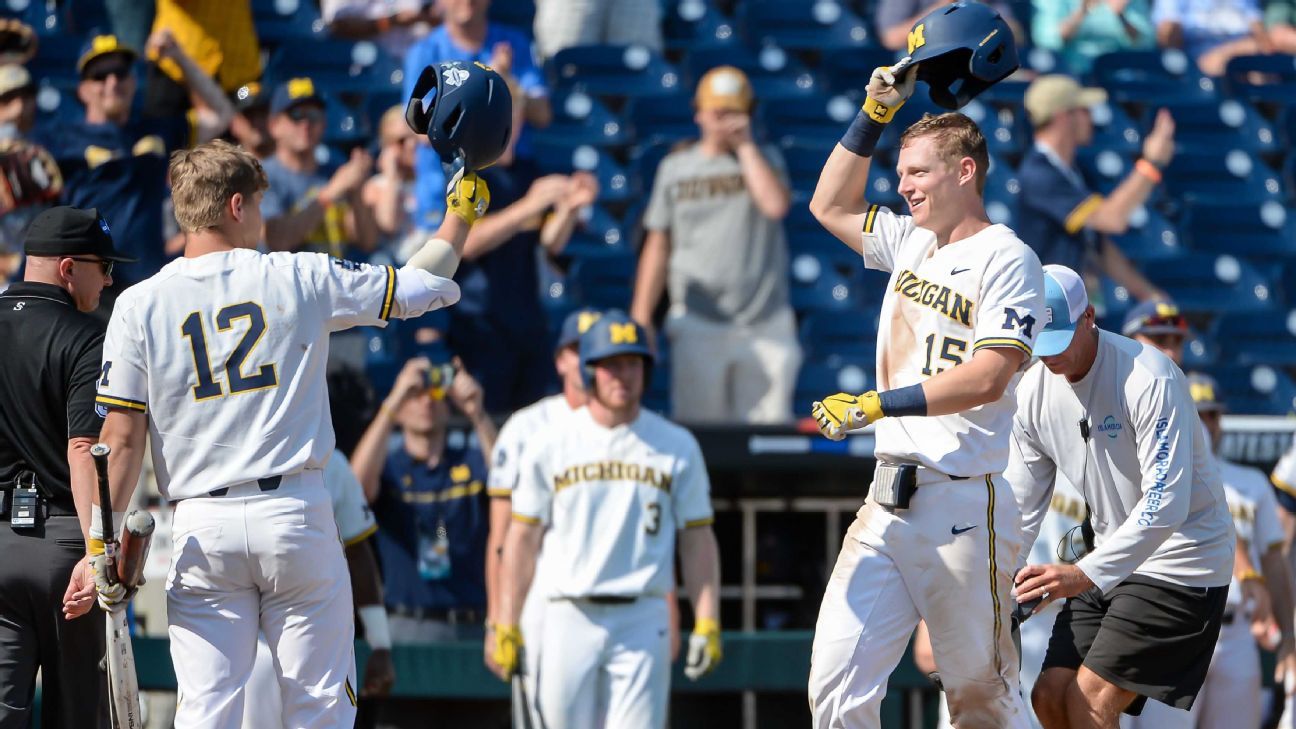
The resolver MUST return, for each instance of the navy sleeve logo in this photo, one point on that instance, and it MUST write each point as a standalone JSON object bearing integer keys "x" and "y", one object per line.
{"x": 346, "y": 265}
{"x": 1013, "y": 320}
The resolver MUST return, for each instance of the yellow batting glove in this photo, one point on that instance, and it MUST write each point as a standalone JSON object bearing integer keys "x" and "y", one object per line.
{"x": 704, "y": 651}
{"x": 467, "y": 196}
{"x": 888, "y": 89}
{"x": 841, "y": 413}
{"x": 508, "y": 648}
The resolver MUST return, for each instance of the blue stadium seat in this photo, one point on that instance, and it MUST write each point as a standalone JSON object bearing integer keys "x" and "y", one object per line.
{"x": 1289, "y": 176}
{"x": 1266, "y": 337}
{"x": 1103, "y": 169}
{"x": 579, "y": 118}
{"x": 620, "y": 71}
{"x": 1278, "y": 74}
{"x": 517, "y": 13}
{"x": 665, "y": 119}
{"x": 56, "y": 61}
{"x": 597, "y": 233}
{"x": 1287, "y": 125}
{"x": 1001, "y": 194}
{"x": 848, "y": 73}
{"x": 336, "y": 66}
{"x": 817, "y": 379}
{"x": 1207, "y": 284}
{"x": 1150, "y": 238}
{"x": 1201, "y": 125}
{"x": 1114, "y": 130}
{"x": 851, "y": 337}
{"x": 81, "y": 17}
{"x": 604, "y": 281}
{"x": 1264, "y": 231}
{"x": 824, "y": 26}
{"x": 818, "y": 118}
{"x": 1258, "y": 390}
{"x": 814, "y": 287}
{"x": 805, "y": 160}
{"x": 345, "y": 126}
{"x": 774, "y": 74}
{"x": 1006, "y": 132}
{"x": 378, "y": 101}
{"x": 645, "y": 160}
{"x": 1200, "y": 351}
{"x": 695, "y": 24}
{"x": 615, "y": 184}
{"x": 278, "y": 21}
{"x": 1149, "y": 78}
{"x": 1223, "y": 175}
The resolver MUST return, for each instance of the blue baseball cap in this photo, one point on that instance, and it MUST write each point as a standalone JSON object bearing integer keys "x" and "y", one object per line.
{"x": 292, "y": 92}
{"x": 1155, "y": 317}
{"x": 103, "y": 45}
{"x": 575, "y": 325}
{"x": 1065, "y": 301}
{"x": 1205, "y": 392}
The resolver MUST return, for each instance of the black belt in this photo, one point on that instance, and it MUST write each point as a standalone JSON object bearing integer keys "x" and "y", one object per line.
{"x": 602, "y": 599}
{"x": 454, "y": 616}
{"x": 269, "y": 483}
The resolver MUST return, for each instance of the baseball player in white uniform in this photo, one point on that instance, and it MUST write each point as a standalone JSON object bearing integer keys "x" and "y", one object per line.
{"x": 262, "y": 705}
{"x": 523, "y": 427}
{"x": 937, "y": 537}
{"x": 219, "y": 358}
{"x": 1144, "y": 609}
{"x": 610, "y": 493}
{"x": 1231, "y": 695}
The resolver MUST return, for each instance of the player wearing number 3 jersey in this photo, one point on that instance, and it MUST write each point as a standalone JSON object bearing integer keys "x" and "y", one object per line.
{"x": 220, "y": 359}
{"x": 938, "y": 536}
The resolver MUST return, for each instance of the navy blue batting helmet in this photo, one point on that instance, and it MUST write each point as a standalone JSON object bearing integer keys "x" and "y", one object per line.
{"x": 962, "y": 50}
{"x": 613, "y": 334}
{"x": 470, "y": 115}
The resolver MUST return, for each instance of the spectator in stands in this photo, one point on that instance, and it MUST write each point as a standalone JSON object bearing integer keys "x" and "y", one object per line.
{"x": 1065, "y": 221}
{"x": 715, "y": 240}
{"x": 17, "y": 117}
{"x": 1081, "y": 30}
{"x": 217, "y": 34}
{"x": 304, "y": 209}
{"x": 561, "y": 24}
{"x": 250, "y": 127}
{"x": 390, "y": 193}
{"x": 393, "y": 24}
{"x": 1158, "y": 324}
{"x": 1214, "y": 31}
{"x": 895, "y": 18}
{"x": 429, "y": 497}
{"x": 466, "y": 35}
{"x": 116, "y": 161}
{"x": 1280, "y": 19}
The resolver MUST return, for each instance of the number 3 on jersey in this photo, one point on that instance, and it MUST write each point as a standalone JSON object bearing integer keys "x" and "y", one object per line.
{"x": 207, "y": 386}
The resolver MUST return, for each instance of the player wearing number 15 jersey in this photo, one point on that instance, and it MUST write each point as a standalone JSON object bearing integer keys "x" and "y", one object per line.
{"x": 938, "y": 536}
{"x": 220, "y": 359}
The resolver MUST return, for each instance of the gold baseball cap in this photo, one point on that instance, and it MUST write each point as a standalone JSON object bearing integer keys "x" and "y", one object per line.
{"x": 1053, "y": 94}
{"x": 724, "y": 88}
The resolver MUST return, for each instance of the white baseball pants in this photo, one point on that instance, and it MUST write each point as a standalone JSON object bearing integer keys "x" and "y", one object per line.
{"x": 269, "y": 561}
{"x": 949, "y": 560}
{"x": 605, "y": 665}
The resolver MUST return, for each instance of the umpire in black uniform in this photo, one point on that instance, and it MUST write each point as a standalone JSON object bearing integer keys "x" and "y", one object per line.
{"x": 52, "y": 351}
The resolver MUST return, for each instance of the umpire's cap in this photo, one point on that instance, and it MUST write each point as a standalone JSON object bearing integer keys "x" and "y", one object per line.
{"x": 962, "y": 50}
{"x": 613, "y": 334}
{"x": 68, "y": 231}
{"x": 469, "y": 115}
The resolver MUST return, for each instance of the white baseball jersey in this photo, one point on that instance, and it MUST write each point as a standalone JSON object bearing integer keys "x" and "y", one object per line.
{"x": 942, "y": 304}
{"x": 521, "y": 428}
{"x": 612, "y": 499}
{"x": 1141, "y": 461}
{"x": 355, "y": 520}
{"x": 226, "y": 353}
{"x": 1284, "y": 473}
{"x": 1255, "y": 515}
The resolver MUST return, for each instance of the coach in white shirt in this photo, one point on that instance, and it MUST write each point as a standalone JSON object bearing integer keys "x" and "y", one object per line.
{"x": 1144, "y": 606}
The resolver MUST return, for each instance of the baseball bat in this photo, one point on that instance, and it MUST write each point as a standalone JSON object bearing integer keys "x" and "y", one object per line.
{"x": 521, "y": 708}
{"x": 99, "y": 452}
{"x": 136, "y": 538}
{"x": 123, "y": 684}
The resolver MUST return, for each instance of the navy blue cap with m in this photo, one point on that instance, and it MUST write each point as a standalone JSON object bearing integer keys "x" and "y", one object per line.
{"x": 576, "y": 324}
{"x": 293, "y": 92}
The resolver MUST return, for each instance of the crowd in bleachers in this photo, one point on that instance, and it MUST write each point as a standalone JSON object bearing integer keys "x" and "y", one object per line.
{"x": 604, "y": 91}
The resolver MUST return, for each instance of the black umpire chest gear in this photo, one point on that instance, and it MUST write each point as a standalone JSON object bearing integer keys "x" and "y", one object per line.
{"x": 49, "y": 368}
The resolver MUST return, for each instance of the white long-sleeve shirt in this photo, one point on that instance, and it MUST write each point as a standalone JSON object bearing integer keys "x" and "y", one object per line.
{"x": 1154, "y": 492}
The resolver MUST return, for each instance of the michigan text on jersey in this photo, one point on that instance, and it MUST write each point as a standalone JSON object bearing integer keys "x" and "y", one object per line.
{"x": 935, "y": 296}
{"x": 612, "y": 471}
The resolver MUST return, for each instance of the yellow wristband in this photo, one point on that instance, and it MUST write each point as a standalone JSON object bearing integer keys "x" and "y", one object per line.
{"x": 706, "y": 626}
{"x": 94, "y": 546}
{"x": 880, "y": 112}
{"x": 1251, "y": 575}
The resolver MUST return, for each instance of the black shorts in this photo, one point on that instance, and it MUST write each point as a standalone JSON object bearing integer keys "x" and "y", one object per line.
{"x": 1147, "y": 636}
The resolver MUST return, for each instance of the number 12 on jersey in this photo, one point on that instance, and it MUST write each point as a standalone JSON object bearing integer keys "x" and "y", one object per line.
{"x": 239, "y": 381}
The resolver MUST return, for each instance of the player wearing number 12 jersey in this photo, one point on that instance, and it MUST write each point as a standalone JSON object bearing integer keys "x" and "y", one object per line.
{"x": 938, "y": 536}
{"x": 220, "y": 359}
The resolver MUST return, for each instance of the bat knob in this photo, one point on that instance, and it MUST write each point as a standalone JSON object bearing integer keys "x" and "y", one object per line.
{"x": 100, "y": 450}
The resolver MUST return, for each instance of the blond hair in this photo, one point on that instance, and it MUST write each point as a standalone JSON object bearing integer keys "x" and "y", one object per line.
{"x": 204, "y": 178}
{"x": 956, "y": 136}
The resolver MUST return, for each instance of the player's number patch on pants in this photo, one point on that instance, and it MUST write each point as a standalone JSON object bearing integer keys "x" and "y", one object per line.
{"x": 193, "y": 328}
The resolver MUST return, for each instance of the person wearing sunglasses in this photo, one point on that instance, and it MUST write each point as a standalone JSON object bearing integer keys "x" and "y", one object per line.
{"x": 115, "y": 159}
{"x": 52, "y": 360}
{"x": 1158, "y": 324}
{"x": 306, "y": 209}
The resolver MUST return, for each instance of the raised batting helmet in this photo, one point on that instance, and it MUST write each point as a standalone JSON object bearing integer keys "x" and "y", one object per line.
{"x": 469, "y": 116}
{"x": 962, "y": 50}
{"x": 612, "y": 335}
